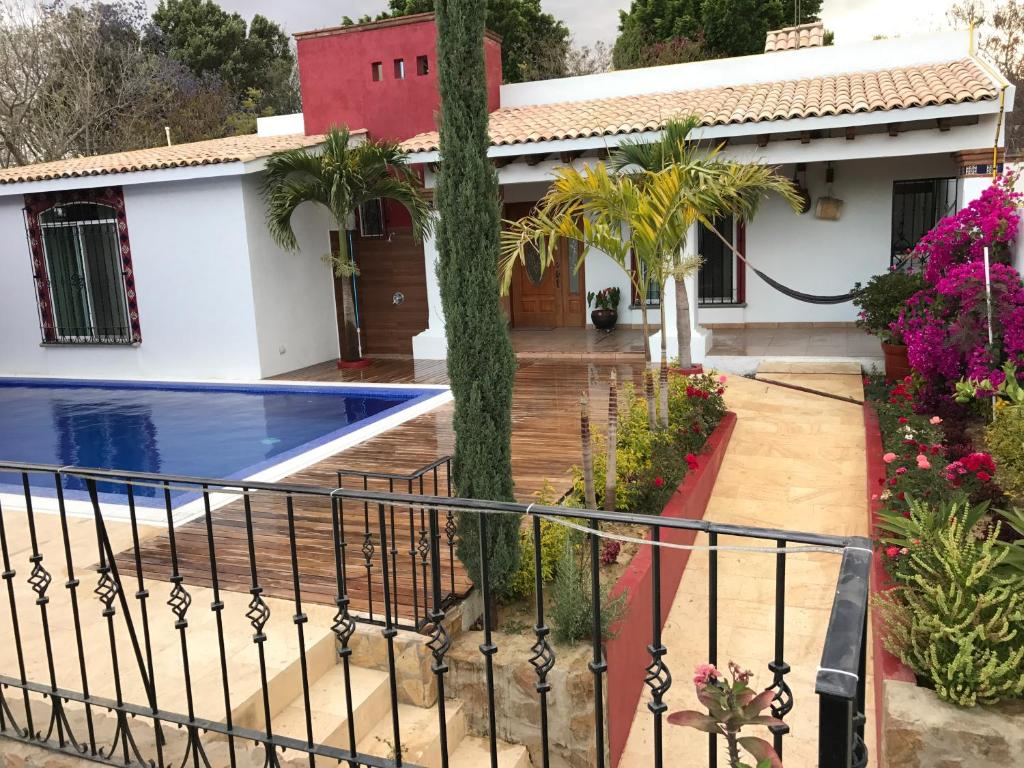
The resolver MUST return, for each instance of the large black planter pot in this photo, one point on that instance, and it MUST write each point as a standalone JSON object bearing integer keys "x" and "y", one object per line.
{"x": 604, "y": 319}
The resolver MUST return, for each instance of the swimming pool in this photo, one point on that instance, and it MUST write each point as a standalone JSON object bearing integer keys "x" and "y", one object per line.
{"x": 261, "y": 431}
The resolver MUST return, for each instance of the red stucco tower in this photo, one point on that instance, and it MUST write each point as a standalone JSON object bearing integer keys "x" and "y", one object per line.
{"x": 381, "y": 76}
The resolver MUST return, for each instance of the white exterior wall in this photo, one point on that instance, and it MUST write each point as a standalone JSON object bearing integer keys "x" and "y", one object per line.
{"x": 824, "y": 257}
{"x": 195, "y": 299}
{"x": 281, "y": 125}
{"x": 293, "y": 293}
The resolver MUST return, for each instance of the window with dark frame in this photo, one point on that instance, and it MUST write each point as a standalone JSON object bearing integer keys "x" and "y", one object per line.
{"x": 422, "y": 66}
{"x": 917, "y": 206}
{"x": 371, "y": 219}
{"x": 653, "y": 297}
{"x": 399, "y": 69}
{"x": 717, "y": 276}
{"x": 377, "y": 71}
{"x": 82, "y": 267}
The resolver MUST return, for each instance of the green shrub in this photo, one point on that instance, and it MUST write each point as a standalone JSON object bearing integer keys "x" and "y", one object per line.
{"x": 881, "y": 301}
{"x": 651, "y": 464}
{"x": 552, "y": 545}
{"x": 572, "y": 603}
{"x": 1004, "y": 439}
{"x": 952, "y": 618}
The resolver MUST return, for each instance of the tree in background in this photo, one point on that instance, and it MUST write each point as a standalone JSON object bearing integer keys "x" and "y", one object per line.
{"x": 78, "y": 79}
{"x": 253, "y": 61}
{"x": 701, "y": 29}
{"x": 481, "y": 363}
{"x": 1001, "y": 38}
{"x": 534, "y": 44}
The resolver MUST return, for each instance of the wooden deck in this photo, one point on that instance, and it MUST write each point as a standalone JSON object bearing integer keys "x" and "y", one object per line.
{"x": 545, "y": 445}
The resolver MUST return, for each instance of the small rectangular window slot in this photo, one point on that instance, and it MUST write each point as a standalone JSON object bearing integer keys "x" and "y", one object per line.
{"x": 399, "y": 69}
{"x": 377, "y": 71}
{"x": 422, "y": 66}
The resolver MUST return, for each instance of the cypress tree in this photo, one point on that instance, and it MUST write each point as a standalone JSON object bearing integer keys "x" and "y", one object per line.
{"x": 481, "y": 363}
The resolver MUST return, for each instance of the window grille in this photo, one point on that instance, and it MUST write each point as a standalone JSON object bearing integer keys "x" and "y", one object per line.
{"x": 917, "y": 206}
{"x": 82, "y": 268}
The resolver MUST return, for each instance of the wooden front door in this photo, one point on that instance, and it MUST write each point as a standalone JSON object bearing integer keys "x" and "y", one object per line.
{"x": 548, "y": 299}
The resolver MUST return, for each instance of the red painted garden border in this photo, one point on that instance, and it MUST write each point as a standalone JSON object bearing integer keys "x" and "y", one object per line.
{"x": 885, "y": 665}
{"x": 626, "y": 653}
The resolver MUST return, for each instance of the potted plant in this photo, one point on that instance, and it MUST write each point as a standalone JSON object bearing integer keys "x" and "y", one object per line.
{"x": 880, "y": 302}
{"x": 606, "y": 308}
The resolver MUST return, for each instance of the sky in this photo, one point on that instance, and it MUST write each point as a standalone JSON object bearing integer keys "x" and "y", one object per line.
{"x": 594, "y": 20}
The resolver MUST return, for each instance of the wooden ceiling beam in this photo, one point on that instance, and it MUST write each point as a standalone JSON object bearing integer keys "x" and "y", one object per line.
{"x": 503, "y": 160}
{"x": 762, "y": 140}
{"x": 894, "y": 129}
{"x": 851, "y": 133}
{"x": 536, "y": 159}
{"x": 569, "y": 157}
{"x": 943, "y": 124}
{"x": 805, "y": 137}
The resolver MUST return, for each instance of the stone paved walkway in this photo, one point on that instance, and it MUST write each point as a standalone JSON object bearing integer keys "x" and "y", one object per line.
{"x": 796, "y": 461}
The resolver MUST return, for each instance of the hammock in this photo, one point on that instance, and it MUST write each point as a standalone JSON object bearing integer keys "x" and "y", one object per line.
{"x": 808, "y": 298}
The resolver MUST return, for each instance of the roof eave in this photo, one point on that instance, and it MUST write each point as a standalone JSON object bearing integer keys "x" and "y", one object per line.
{"x": 734, "y": 130}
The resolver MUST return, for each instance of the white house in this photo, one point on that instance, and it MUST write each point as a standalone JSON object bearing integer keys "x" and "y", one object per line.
{"x": 158, "y": 264}
{"x": 891, "y": 128}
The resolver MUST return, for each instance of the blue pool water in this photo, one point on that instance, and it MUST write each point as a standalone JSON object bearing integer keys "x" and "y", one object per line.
{"x": 179, "y": 429}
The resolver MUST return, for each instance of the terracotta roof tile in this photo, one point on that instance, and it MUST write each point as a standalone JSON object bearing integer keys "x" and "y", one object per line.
{"x": 789, "y": 38}
{"x": 228, "y": 150}
{"x": 942, "y": 83}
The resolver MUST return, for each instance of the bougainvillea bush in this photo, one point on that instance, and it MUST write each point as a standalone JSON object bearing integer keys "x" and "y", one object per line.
{"x": 946, "y": 325}
{"x": 990, "y": 221}
{"x": 945, "y": 328}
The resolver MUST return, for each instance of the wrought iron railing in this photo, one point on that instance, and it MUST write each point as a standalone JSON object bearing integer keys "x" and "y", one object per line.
{"x": 116, "y": 699}
{"x": 434, "y": 479}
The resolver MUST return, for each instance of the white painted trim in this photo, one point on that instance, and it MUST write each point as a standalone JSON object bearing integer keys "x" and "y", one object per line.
{"x": 194, "y": 509}
{"x": 182, "y": 173}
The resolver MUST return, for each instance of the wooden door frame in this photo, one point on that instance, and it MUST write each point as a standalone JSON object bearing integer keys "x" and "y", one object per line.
{"x": 561, "y": 281}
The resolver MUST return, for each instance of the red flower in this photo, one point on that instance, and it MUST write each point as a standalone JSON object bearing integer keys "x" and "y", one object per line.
{"x": 691, "y": 461}
{"x": 892, "y": 551}
{"x": 659, "y": 482}
{"x": 984, "y": 476}
{"x": 903, "y": 419}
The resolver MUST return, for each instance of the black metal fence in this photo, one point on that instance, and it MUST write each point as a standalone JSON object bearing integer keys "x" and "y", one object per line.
{"x": 407, "y": 527}
{"x": 93, "y": 681}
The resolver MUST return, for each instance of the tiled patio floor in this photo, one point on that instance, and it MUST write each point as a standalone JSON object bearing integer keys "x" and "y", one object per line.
{"x": 796, "y": 342}
{"x": 796, "y": 461}
{"x": 580, "y": 344}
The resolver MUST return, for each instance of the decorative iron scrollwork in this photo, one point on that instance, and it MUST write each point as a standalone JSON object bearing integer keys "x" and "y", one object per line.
{"x": 439, "y": 643}
{"x": 543, "y": 659}
{"x": 344, "y": 626}
{"x": 179, "y": 602}
{"x": 782, "y": 701}
{"x": 106, "y": 590}
{"x": 423, "y": 546}
{"x": 657, "y": 678}
{"x": 258, "y": 614}
{"x": 39, "y": 579}
{"x": 450, "y": 529}
{"x": 368, "y": 548}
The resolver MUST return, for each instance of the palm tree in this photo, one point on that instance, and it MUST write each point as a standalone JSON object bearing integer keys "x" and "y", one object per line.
{"x": 341, "y": 176}
{"x": 730, "y": 188}
{"x": 614, "y": 213}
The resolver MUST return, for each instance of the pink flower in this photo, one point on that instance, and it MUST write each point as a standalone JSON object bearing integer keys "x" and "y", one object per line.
{"x": 935, "y": 420}
{"x": 659, "y": 482}
{"x": 901, "y": 470}
{"x": 691, "y": 461}
{"x": 705, "y": 673}
{"x": 722, "y": 379}
{"x": 889, "y": 458}
{"x": 892, "y": 552}
{"x": 922, "y": 462}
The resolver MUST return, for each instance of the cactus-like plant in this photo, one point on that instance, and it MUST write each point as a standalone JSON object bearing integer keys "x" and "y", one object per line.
{"x": 955, "y": 620}
{"x": 732, "y": 705}
{"x": 590, "y": 493}
{"x": 611, "y": 471}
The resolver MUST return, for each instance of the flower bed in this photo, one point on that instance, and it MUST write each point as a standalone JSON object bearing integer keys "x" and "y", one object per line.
{"x": 934, "y": 504}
